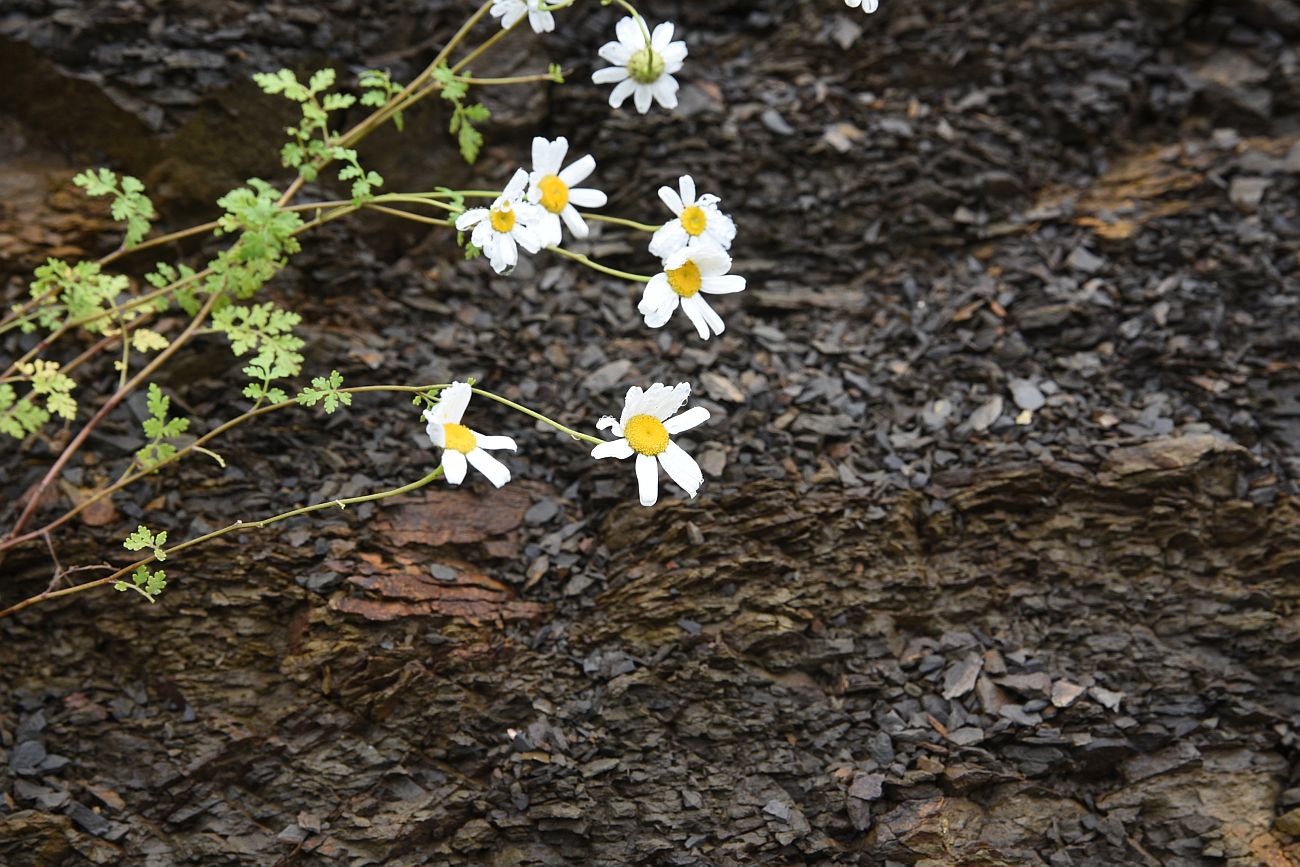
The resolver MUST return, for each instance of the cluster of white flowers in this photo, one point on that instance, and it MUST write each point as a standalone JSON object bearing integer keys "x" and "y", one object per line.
{"x": 648, "y": 421}
{"x": 692, "y": 247}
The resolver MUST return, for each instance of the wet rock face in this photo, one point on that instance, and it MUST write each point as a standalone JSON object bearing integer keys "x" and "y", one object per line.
{"x": 995, "y": 561}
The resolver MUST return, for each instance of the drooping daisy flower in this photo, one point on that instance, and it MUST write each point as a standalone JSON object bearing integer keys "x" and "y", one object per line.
{"x": 645, "y": 427}
{"x": 696, "y": 218}
{"x": 643, "y": 68}
{"x": 552, "y": 188}
{"x": 510, "y": 11}
{"x": 459, "y": 444}
{"x": 699, "y": 267}
{"x": 508, "y": 224}
{"x": 868, "y": 6}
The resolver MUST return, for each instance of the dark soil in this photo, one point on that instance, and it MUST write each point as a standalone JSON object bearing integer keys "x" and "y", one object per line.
{"x": 996, "y": 558}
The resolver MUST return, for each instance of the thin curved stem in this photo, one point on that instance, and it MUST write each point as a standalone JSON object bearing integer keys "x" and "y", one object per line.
{"x": 604, "y": 269}
{"x": 207, "y": 537}
{"x": 537, "y": 415}
{"x": 407, "y": 215}
{"x": 619, "y": 221}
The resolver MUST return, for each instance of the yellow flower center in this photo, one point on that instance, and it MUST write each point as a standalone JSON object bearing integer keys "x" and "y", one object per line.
{"x": 503, "y": 219}
{"x": 555, "y": 193}
{"x": 646, "y": 434}
{"x": 694, "y": 220}
{"x": 645, "y": 66}
{"x": 685, "y": 281}
{"x": 459, "y": 438}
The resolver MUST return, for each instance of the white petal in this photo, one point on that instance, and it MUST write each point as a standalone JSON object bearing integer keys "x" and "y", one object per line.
{"x": 505, "y": 256}
{"x": 687, "y": 185}
{"x": 673, "y": 54}
{"x": 671, "y": 199}
{"x": 453, "y": 467}
{"x": 711, "y": 259}
{"x": 496, "y": 472}
{"x": 720, "y": 228}
{"x": 608, "y": 421}
{"x": 588, "y": 198}
{"x": 548, "y": 230}
{"x": 621, "y": 92}
{"x": 629, "y": 33}
{"x": 694, "y": 313}
{"x": 470, "y": 218}
{"x": 541, "y": 22}
{"x": 670, "y": 238}
{"x": 681, "y": 468}
{"x": 662, "y": 35}
{"x": 578, "y": 171}
{"x": 665, "y": 90}
{"x": 574, "y": 221}
{"x": 613, "y": 449}
{"x": 615, "y": 52}
{"x": 666, "y": 401}
{"x": 526, "y": 237}
{"x": 869, "y": 6}
{"x": 452, "y": 402}
{"x": 515, "y": 188}
{"x": 437, "y": 434}
{"x": 658, "y": 296}
{"x": 647, "y": 478}
{"x": 632, "y": 403}
{"x": 555, "y": 158}
{"x": 693, "y": 417}
{"x": 482, "y": 235}
{"x": 711, "y": 318}
{"x": 540, "y": 146}
{"x": 643, "y": 96}
{"x": 609, "y": 75}
{"x": 724, "y": 285}
{"x": 496, "y": 442}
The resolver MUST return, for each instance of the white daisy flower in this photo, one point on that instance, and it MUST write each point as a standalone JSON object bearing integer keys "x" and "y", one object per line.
{"x": 696, "y": 218}
{"x": 508, "y": 224}
{"x": 643, "y": 68}
{"x": 511, "y": 11}
{"x": 645, "y": 427}
{"x": 699, "y": 267}
{"x": 868, "y": 6}
{"x": 459, "y": 444}
{"x": 552, "y": 188}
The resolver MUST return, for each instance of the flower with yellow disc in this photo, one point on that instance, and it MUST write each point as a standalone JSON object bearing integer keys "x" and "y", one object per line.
{"x": 551, "y": 189}
{"x": 645, "y": 430}
{"x": 460, "y": 445}
{"x": 698, "y": 269}
{"x": 501, "y": 229}
{"x": 693, "y": 218}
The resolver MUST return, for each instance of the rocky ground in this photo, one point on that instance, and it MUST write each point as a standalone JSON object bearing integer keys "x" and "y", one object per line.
{"x": 995, "y": 560}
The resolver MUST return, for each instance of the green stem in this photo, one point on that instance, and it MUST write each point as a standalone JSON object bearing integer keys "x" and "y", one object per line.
{"x": 207, "y": 537}
{"x": 619, "y": 221}
{"x": 537, "y": 415}
{"x": 407, "y": 215}
{"x": 604, "y": 269}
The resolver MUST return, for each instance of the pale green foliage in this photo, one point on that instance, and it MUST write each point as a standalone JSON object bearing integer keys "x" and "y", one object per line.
{"x": 147, "y": 340}
{"x": 363, "y": 182}
{"x": 73, "y": 292}
{"x": 267, "y": 332}
{"x": 325, "y": 389}
{"x": 130, "y": 204}
{"x": 146, "y": 582}
{"x": 266, "y": 238}
{"x": 556, "y": 73}
{"x": 158, "y": 428}
{"x": 312, "y": 142}
{"x": 380, "y": 88}
{"x": 142, "y": 538}
{"x": 22, "y": 416}
{"x": 165, "y": 275}
{"x": 463, "y": 117}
